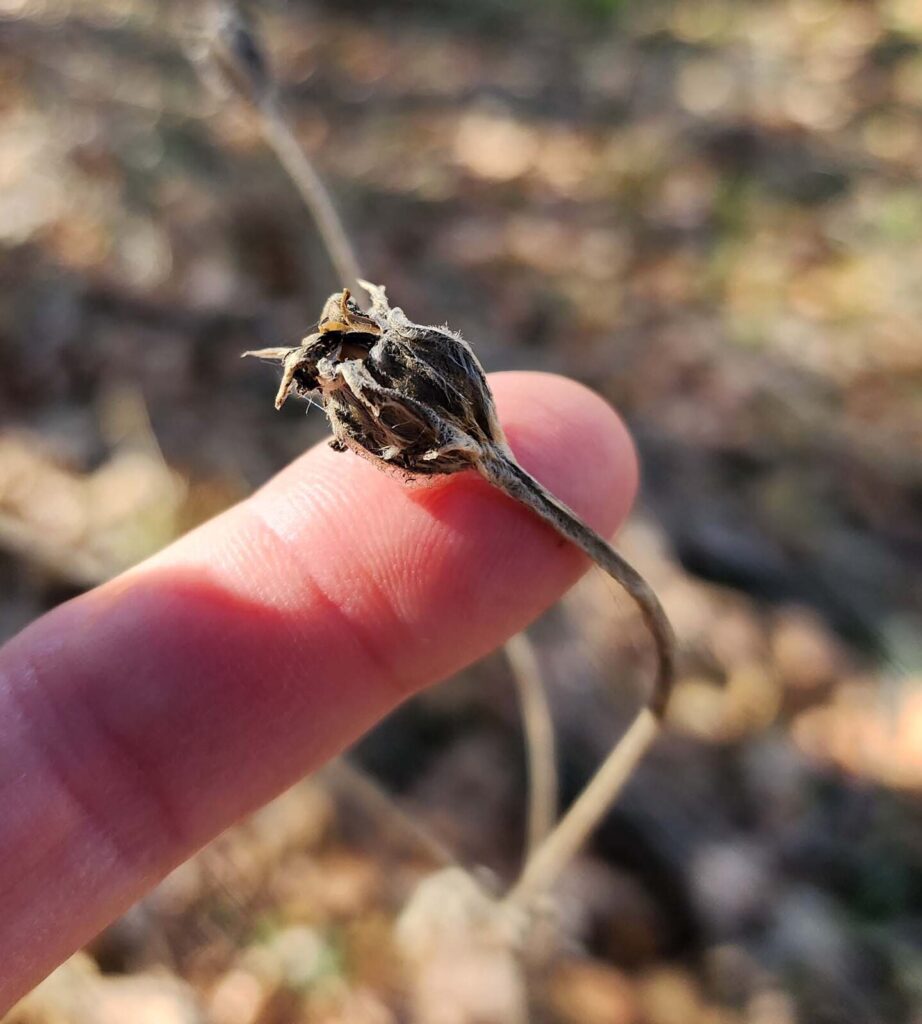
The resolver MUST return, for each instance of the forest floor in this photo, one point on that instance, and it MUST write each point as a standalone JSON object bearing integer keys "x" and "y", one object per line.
{"x": 711, "y": 213}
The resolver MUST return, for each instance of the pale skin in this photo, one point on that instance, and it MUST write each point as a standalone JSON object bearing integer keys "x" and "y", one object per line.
{"x": 144, "y": 717}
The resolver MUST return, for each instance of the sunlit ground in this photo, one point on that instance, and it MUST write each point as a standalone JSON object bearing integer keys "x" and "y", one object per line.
{"x": 711, "y": 213}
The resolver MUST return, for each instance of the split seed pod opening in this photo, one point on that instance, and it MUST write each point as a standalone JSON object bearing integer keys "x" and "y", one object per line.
{"x": 409, "y": 397}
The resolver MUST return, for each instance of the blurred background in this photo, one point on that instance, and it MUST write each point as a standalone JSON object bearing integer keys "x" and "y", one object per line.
{"x": 710, "y": 211}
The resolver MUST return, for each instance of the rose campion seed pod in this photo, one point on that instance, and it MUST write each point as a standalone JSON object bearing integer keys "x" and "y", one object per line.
{"x": 415, "y": 399}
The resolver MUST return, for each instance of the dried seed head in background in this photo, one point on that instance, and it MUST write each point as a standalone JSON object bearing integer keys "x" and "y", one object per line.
{"x": 235, "y": 50}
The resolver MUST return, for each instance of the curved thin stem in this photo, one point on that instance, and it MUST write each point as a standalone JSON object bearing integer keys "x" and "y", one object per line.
{"x": 540, "y": 745}
{"x": 501, "y": 469}
{"x": 237, "y": 56}
{"x": 291, "y": 155}
{"x": 547, "y": 863}
{"x": 552, "y": 855}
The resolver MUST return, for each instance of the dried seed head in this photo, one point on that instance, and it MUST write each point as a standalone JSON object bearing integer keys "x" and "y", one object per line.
{"x": 236, "y": 52}
{"x": 408, "y": 397}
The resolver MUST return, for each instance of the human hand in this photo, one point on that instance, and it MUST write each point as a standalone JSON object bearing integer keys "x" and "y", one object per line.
{"x": 144, "y": 717}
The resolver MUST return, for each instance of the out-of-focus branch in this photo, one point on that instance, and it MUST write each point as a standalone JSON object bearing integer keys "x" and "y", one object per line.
{"x": 540, "y": 745}
{"x": 233, "y": 51}
{"x": 345, "y": 776}
{"x": 547, "y": 862}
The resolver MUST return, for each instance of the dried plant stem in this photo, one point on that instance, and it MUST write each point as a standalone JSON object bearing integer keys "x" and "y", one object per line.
{"x": 550, "y": 858}
{"x": 237, "y": 56}
{"x": 540, "y": 746}
{"x": 291, "y": 156}
{"x": 500, "y": 469}
{"x": 546, "y": 864}
{"x": 346, "y": 776}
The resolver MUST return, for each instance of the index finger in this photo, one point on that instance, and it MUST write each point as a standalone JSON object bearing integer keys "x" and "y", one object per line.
{"x": 141, "y": 719}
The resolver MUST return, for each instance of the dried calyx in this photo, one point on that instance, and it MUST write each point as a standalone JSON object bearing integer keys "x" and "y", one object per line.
{"x": 416, "y": 399}
{"x": 407, "y": 397}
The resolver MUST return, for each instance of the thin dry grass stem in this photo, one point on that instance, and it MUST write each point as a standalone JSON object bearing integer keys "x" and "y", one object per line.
{"x": 550, "y": 859}
{"x": 292, "y": 157}
{"x": 540, "y": 744}
{"x": 234, "y": 52}
{"x": 381, "y": 805}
